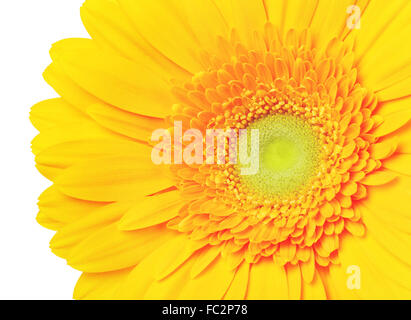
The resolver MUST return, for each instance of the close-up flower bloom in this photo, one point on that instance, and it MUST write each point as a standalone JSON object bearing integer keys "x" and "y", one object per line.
{"x": 327, "y": 84}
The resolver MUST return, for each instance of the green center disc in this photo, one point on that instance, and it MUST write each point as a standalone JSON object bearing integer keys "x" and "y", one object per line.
{"x": 288, "y": 155}
{"x": 280, "y": 154}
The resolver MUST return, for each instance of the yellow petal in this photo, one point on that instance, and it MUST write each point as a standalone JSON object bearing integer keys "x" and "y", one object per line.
{"x": 99, "y": 286}
{"x": 175, "y": 253}
{"x": 293, "y": 14}
{"x": 212, "y": 283}
{"x": 308, "y": 269}
{"x": 137, "y": 283}
{"x": 122, "y": 83}
{"x": 109, "y": 25}
{"x": 268, "y": 280}
{"x": 382, "y": 150}
{"x": 61, "y": 210}
{"x": 395, "y": 242}
{"x": 397, "y": 191}
{"x": 314, "y": 290}
{"x": 152, "y": 210}
{"x": 52, "y": 161}
{"x": 392, "y": 122}
{"x": 182, "y": 44}
{"x": 110, "y": 249}
{"x": 142, "y": 276}
{"x": 67, "y": 88}
{"x": 335, "y": 281}
{"x": 387, "y": 107}
{"x": 375, "y": 42}
{"x": 169, "y": 288}
{"x": 244, "y": 16}
{"x": 349, "y": 188}
{"x": 123, "y": 122}
{"x": 82, "y": 130}
{"x": 48, "y": 222}
{"x": 399, "y": 163}
{"x": 331, "y": 14}
{"x": 204, "y": 258}
{"x": 73, "y": 233}
{"x": 112, "y": 179}
{"x": 54, "y": 112}
{"x": 238, "y": 287}
{"x": 355, "y": 228}
{"x": 380, "y": 200}
{"x": 399, "y": 88}
{"x": 357, "y": 267}
{"x": 397, "y": 275}
{"x": 204, "y": 19}
{"x": 378, "y": 178}
{"x": 294, "y": 281}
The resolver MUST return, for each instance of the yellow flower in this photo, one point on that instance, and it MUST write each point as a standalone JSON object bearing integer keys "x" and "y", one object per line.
{"x": 328, "y": 214}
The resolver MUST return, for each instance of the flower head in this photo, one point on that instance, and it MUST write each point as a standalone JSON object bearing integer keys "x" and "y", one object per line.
{"x": 330, "y": 102}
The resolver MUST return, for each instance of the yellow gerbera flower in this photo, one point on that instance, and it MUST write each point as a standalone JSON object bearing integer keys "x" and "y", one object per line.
{"x": 326, "y": 83}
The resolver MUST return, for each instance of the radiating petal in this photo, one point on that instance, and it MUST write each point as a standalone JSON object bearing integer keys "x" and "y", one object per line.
{"x": 111, "y": 249}
{"x": 53, "y": 160}
{"x": 109, "y": 25}
{"x": 378, "y": 178}
{"x": 112, "y": 179}
{"x": 374, "y": 43}
{"x": 123, "y": 83}
{"x": 73, "y": 233}
{"x": 392, "y": 122}
{"x": 329, "y": 20}
{"x": 389, "y": 237}
{"x": 152, "y": 210}
{"x": 292, "y": 14}
{"x": 294, "y": 282}
{"x": 71, "y": 92}
{"x": 399, "y": 163}
{"x": 314, "y": 290}
{"x": 212, "y": 283}
{"x": 238, "y": 287}
{"x": 99, "y": 286}
{"x": 179, "y": 28}
{"x": 54, "y": 112}
{"x": 268, "y": 280}
{"x": 58, "y": 210}
{"x": 125, "y": 123}
{"x": 82, "y": 130}
{"x": 245, "y": 17}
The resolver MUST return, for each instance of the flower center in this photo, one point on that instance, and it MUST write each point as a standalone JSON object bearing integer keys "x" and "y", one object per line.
{"x": 281, "y": 154}
{"x": 288, "y": 157}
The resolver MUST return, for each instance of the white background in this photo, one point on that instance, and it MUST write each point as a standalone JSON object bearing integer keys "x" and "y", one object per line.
{"x": 28, "y": 269}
